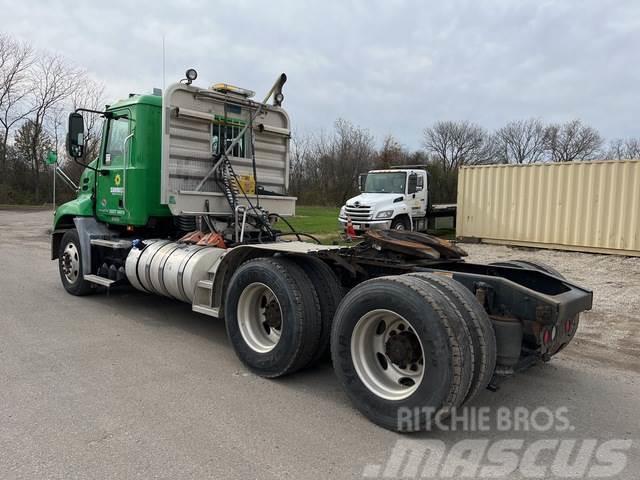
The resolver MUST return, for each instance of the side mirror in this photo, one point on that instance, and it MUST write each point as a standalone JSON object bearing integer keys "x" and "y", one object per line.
{"x": 412, "y": 187}
{"x": 75, "y": 135}
{"x": 362, "y": 180}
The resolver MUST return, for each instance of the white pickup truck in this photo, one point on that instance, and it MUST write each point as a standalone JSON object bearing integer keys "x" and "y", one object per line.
{"x": 396, "y": 198}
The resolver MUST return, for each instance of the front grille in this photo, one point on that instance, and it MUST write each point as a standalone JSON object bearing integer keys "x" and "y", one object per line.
{"x": 358, "y": 213}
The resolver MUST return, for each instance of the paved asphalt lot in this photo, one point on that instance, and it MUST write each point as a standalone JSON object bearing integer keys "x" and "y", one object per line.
{"x": 130, "y": 385}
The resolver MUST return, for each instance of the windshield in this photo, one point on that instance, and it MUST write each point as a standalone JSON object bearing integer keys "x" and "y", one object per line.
{"x": 392, "y": 182}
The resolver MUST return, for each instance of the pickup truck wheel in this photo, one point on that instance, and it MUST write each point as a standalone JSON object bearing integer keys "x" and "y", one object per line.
{"x": 70, "y": 265}
{"x": 272, "y": 315}
{"x": 330, "y": 292}
{"x": 483, "y": 338}
{"x": 400, "y": 223}
{"x": 398, "y": 347}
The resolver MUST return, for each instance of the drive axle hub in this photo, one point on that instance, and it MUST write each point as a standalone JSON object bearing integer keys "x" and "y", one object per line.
{"x": 403, "y": 349}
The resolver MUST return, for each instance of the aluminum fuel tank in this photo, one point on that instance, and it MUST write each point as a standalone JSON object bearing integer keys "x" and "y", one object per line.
{"x": 169, "y": 268}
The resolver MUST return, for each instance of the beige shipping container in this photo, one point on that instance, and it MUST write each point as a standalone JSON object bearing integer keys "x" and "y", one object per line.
{"x": 583, "y": 206}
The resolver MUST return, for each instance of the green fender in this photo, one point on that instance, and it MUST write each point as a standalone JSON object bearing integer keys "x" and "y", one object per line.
{"x": 78, "y": 207}
{"x": 81, "y": 206}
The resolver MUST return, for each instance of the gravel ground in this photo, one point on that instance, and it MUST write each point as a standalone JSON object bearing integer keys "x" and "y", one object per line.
{"x": 611, "y": 330}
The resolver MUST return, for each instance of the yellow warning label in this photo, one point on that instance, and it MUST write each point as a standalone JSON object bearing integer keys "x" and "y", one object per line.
{"x": 246, "y": 183}
{"x": 116, "y": 179}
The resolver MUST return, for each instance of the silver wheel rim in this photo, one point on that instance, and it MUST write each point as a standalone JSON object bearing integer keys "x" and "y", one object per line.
{"x": 259, "y": 317}
{"x": 71, "y": 263}
{"x": 376, "y": 354}
{"x": 400, "y": 226}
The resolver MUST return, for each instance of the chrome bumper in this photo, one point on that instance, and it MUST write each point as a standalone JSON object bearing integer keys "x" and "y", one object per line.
{"x": 362, "y": 225}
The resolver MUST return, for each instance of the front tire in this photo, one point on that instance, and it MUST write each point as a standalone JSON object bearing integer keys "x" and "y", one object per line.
{"x": 400, "y": 223}
{"x": 70, "y": 265}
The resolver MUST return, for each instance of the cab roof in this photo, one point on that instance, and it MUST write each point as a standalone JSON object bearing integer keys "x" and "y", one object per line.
{"x": 135, "y": 99}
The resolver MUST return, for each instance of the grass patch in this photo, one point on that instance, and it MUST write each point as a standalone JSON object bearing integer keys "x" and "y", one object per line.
{"x": 322, "y": 220}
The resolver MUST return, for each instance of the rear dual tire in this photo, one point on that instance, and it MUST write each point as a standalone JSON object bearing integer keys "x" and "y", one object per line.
{"x": 481, "y": 333}
{"x": 273, "y": 316}
{"x": 436, "y": 338}
{"x": 330, "y": 293}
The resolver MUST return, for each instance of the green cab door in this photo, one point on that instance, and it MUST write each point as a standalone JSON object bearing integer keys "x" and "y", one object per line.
{"x": 114, "y": 158}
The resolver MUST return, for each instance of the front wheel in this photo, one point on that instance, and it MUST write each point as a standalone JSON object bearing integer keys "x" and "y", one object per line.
{"x": 400, "y": 223}
{"x": 70, "y": 265}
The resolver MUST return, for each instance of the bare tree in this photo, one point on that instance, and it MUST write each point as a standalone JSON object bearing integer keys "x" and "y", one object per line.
{"x": 54, "y": 83}
{"x": 521, "y": 141}
{"x": 325, "y": 168}
{"x": 391, "y": 153}
{"x": 349, "y": 152}
{"x": 298, "y": 156}
{"x": 455, "y": 144}
{"x": 16, "y": 58}
{"x": 572, "y": 141}
{"x": 623, "y": 149}
{"x": 89, "y": 94}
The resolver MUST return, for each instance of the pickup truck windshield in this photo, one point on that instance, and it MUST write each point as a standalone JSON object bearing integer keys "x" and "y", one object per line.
{"x": 392, "y": 182}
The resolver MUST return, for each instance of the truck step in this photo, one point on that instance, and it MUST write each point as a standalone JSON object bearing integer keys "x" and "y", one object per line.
{"x": 105, "y": 282}
{"x": 117, "y": 244}
{"x": 206, "y": 284}
{"x": 212, "y": 312}
{"x": 202, "y": 299}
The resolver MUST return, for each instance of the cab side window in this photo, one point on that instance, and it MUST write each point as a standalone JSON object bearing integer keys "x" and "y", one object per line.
{"x": 118, "y": 132}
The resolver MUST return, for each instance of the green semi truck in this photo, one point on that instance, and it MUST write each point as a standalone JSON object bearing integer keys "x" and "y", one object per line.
{"x": 188, "y": 199}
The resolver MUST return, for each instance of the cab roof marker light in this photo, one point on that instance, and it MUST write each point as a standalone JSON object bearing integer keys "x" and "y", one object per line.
{"x": 227, "y": 88}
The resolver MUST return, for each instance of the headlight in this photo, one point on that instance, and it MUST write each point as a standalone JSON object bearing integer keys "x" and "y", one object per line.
{"x": 342, "y": 214}
{"x": 385, "y": 214}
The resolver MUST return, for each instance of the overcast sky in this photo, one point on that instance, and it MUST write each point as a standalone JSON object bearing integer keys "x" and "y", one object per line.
{"x": 391, "y": 66}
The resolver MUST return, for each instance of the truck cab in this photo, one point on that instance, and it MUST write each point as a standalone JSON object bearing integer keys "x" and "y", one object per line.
{"x": 120, "y": 186}
{"x": 394, "y": 198}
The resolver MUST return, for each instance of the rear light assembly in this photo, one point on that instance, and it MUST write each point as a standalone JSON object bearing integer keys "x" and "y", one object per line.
{"x": 549, "y": 335}
{"x": 568, "y": 326}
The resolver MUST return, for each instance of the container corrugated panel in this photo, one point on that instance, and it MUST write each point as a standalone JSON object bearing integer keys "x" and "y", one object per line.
{"x": 583, "y": 206}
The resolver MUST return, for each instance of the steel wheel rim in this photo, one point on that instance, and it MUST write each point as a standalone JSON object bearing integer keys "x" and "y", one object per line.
{"x": 400, "y": 226}
{"x": 71, "y": 263}
{"x": 259, "y": 317}
{"x": 372, "y": 349}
